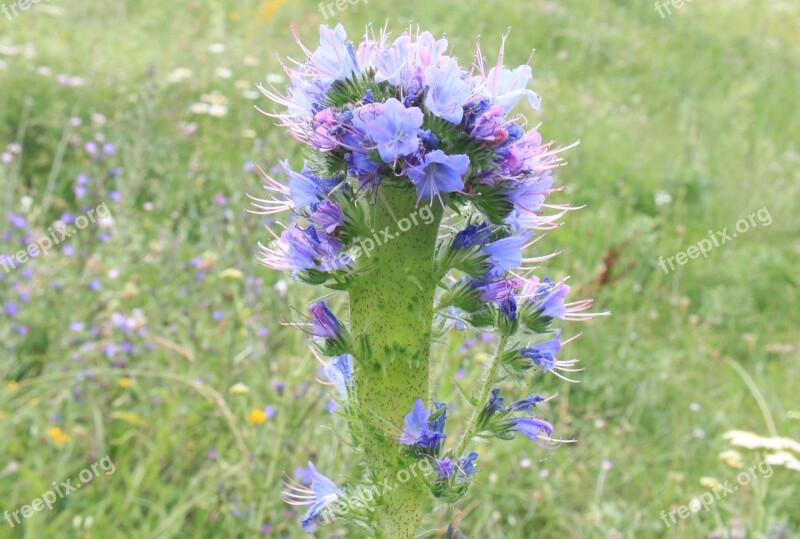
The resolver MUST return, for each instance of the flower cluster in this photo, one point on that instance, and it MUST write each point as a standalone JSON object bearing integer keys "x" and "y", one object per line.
{"x": 404, "y": 113}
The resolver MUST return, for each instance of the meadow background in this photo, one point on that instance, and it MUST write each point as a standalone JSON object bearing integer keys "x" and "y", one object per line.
{"x": 155, "y": 337}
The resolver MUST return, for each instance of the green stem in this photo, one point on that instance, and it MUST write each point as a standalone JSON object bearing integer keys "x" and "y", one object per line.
{"x": 391, "y": 316}
{"x": 491, "y": 373}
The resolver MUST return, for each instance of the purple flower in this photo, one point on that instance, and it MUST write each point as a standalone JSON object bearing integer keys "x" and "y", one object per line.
{"x": 327, "y": 215}
{"x": 17, "y": 221}
{"x": 544, "y": 354}
{"x": 305, "y": 189}
{"x": 323, "y": 492}
{"x": 418, "y": 431}
{"x": 467, "y": 466}
{"x": 505, "y": 254}
{"x": 326, "y": 127}
{"x": 550, "y": 297}
{"x": 305, "y": 247}
{"x": 507, "y": 87}
{"x": 439, "y": 173}
{"x": 324, "y": 323}
{"x": 445, "y": 467}
{"x": 495, "y": 404}
{"x": 10, "y": 309}
{"x": 304, "y": 475}
{"x": 334, "y": 59}
{"x": 393, "y": 62}
{"x": 340, "y": 372}
{"x": 391, "y": 126}
{"x": 448, "y": 90}
{"x": 489, "y": 125}
{"x": 532, "y": 428}
{"x": 497, "y": 291}
{"x": 527, "y": 404}
{"x": 529, "y": 195}
{"x": 509, "y": 307}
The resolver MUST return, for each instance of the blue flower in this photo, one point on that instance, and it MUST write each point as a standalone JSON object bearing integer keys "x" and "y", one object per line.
{"x": 509, "y": 308}
{"x": 391, "y": 126}
{"x": 505, "y": 254}
{"x": 305, "y": 189}
{"x": 437, "y": 424}
{"x": 324, "y": 322}
{"x": 528, "y": 196}
{"x": 507, "y": 87}
{"x": 306, "y": 247}
{"x": 328, "y": 215}
{"x": 418, "y": 431}
{"x": 495, "y": 404}
{"x": 340, "y": 372}
{"x": 445, "y": 467}
{"x": 323, "y": 493}
{"x": 544, "y": 354}
{"x": 497, "y": 291}
{"x": 527, "y": 404}
{"x": 334, "y": 59}
{"x": 489, "y": 125}
{"x": 532, "y": 428}
{"x": 447, "y": 90}
{"x": 467, "y": 468}
{"x": 439, "y": 173}
{"x": 550, "y": 299}
{"x": 472, "y": 235}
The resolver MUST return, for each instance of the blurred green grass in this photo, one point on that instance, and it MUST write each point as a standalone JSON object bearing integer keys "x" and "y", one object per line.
{"x": 687, "y": 123}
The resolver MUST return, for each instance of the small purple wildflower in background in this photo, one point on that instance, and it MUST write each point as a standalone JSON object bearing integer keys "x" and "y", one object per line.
{"x": 17, "y": 221}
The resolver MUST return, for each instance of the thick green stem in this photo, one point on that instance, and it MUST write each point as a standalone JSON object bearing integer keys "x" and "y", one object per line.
{"x": 391, "y": 315}
{"x": 491, "y": 373}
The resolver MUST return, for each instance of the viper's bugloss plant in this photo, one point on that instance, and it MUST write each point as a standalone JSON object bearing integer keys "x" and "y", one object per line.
{"x": 420, "y": 192}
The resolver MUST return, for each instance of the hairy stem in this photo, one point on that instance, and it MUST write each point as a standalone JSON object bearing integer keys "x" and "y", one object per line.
{"x": 491, "y": 373}
{"x": 391, "y": 314}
